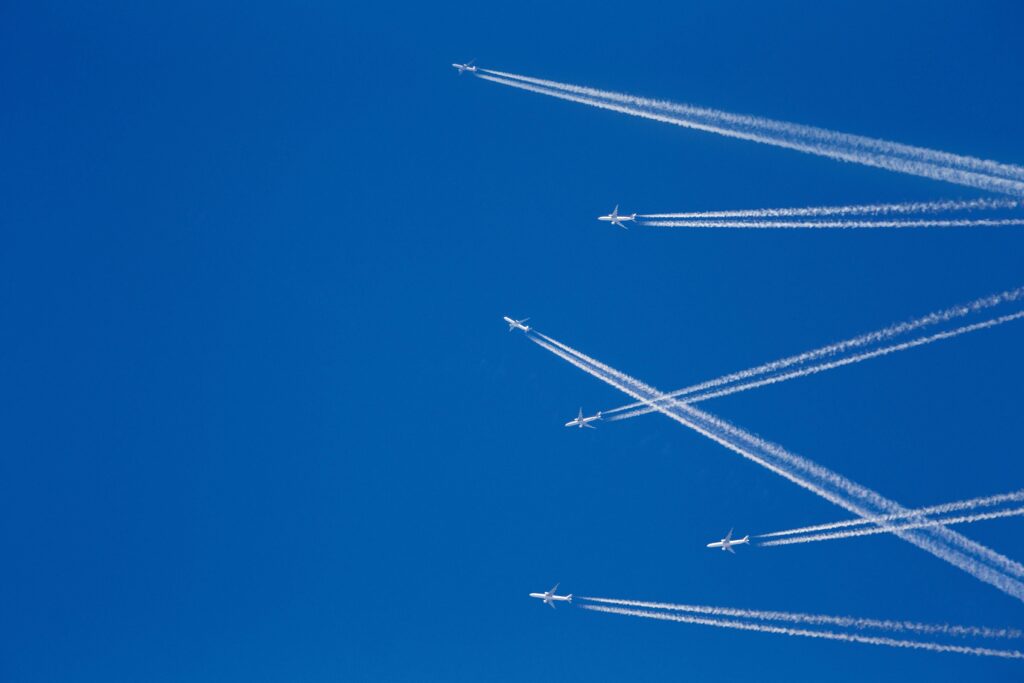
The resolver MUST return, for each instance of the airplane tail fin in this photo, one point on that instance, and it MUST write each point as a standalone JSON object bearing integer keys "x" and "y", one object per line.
{"x": 746, "y": 539}
{"x": 568, "y": 598}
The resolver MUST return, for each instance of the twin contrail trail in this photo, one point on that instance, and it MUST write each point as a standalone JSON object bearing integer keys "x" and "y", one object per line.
{"x": 822, "y": 367}
{"x": 892, "y": 626}
{"x": 885, "y": 146}
{"x": 947, "y": 206}
{"x": 809, "y": 633}
{"x": 825, "y": 358}
{"x": 969, "y": 556}
{"x": 836, "y": 225}
{"x": 870, "y": 531}
{"x": 862, "y": 216}
{"x": 941, "y": 509}
{"x": 963, "y": 170}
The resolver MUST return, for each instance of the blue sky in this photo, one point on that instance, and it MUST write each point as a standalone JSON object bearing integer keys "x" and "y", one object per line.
{"x": 263, "y": 422}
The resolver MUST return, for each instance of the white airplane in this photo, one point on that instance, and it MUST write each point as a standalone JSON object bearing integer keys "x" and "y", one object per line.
{"x": 516, "y": 324}
{"x": 468, "y": 66}
{"x": 581, "y": 422}
{"x": 727, "y": 543}
{"x": 615, "y": 219}
{"x": 550, "y": 598}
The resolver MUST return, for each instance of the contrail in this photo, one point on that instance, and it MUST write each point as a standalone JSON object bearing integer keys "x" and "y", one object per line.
{"x": 969, "y": 556}
{"x": 942, "y": 509}
{"x": 963, "y": 519}
{"x": 986, "y": 166}
{"x": 614, "y": 416}
{"x": 837, "y": 225}
{"x": 822, "y": 619}
{"x": 860, "y": 341}
{"x": 849, "y": 210}
{"x": 809, "y": 633}
{"x": 963, "y": 170}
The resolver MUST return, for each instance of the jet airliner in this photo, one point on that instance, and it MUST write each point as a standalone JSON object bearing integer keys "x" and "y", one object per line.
{"x": 615, "y": 218}
{"x": 727, "y": 543}
{"x": 516, "y": 324}
{"x": 581, "y": 422}
{"x": 550, "y": 598}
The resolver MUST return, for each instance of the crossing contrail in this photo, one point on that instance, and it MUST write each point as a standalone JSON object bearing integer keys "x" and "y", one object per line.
{"x": 854, "y": 343}
{"x": 979, "y": 561}
{"x": 810, "y": 633}
{"x": 848, "y": 210}
{"x": 945, "y": 521}
{"x": 972, "y": 172}
{"x": 942, "y": 509}
{"x": 834, "y": 225}
{"x": 892, "y": 626}
{"x": 615, "y": 416}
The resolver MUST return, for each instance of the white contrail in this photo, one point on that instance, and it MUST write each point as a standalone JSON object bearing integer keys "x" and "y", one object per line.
{"x": 946, "y": 521}
{"x": 918, "y": 168}
{"x": 969, "y": 556}
{"x": 869, "y": 151}
{"x": 614, "y": 415}
{"x": 942, "y": 509}
{"x": 810, "y": 633}
{"x": 822, "y": 619}
{"x": 837, "y": 225}
{"x": 884, "y": 334}
{"x": 849, "y": 210}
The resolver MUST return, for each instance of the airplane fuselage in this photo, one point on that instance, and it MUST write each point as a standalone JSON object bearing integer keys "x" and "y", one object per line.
{"x": 582, "y": 422}
{"x": 516, "y": 324}
{"x": 615, "y": 219}
{"x": 549, "y": 598}
{"x": 725, "y": 544}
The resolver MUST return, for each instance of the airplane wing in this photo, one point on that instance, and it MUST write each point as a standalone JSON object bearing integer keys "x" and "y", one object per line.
{"x": 555, "y": 589}
{"x": 552, "y": 604}
{"x": 589, "y": 426}
{"x": 729, "y": 548}
{"x": 728, "y": 536}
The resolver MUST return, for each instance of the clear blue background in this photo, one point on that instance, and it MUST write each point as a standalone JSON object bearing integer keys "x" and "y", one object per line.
{"x": 261, "y": 420}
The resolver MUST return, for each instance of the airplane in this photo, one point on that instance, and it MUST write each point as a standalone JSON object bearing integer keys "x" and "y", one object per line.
{"x": 615, "y": 219}
{"x": 468, "y": 66}
{"x": 550, "y": 598}
{"x": 516, "y": 324}
{"x": 727, "y": 543}
{"x": 581, "y": 422}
